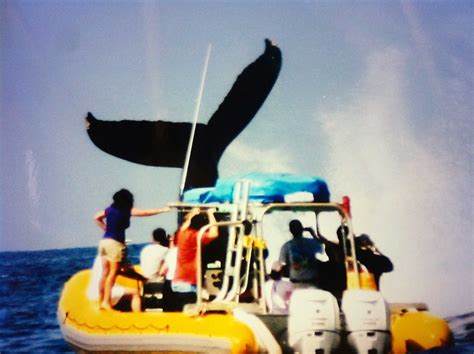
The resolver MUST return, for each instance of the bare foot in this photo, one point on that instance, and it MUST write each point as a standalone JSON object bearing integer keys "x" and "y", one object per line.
{"x": 104, "y": 306}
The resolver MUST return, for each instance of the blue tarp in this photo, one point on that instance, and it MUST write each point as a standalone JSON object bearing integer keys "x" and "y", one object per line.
{"x": 264, "y": 188}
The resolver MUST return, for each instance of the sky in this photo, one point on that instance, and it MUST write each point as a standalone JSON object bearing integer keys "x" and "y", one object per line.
{"x": 376, "y": 97}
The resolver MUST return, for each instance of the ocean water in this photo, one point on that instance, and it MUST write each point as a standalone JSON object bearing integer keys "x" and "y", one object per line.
{"x": 31, "y": 283}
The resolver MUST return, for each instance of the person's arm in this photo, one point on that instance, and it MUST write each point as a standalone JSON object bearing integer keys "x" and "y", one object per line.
{"x": 375, "y": 262}
{"x": 284, "y": 256}
{"x": 99, "y": 219}
{"x": 213, "y": 231}
{"x": 187, "y": 220}
{"x": 129, "y": 272}
{"x": 163, "y": 270}
{"x": 148, "y": 212}
{"x": 384, "y": 264}
{"x": 316, "y": 236}
{"x": 311, "y": 231}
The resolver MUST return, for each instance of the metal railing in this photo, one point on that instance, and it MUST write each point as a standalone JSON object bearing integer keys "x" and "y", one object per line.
{"x": 202, "y": 231}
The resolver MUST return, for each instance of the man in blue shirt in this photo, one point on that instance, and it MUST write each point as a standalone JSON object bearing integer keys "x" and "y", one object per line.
{"x": 303, "y": 257}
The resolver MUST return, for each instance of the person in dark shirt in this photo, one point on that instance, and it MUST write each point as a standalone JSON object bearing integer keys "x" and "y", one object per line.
{"x": 335, "y": 280}
{"x": 368, "y": 255}
{"x": 114, "y": 220}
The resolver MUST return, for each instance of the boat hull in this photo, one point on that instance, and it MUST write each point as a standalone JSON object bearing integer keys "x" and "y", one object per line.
{"x": 415, "y": 329}
{"x": 89, "y": 329}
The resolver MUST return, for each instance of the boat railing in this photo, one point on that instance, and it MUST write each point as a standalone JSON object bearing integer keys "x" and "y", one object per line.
{"x": 248, "y": 243}
{"x": 259, "y": 211}
{"x": 235, "y": 245}
{"x": 241, "y": 248}
{"x": 199, "y": 287}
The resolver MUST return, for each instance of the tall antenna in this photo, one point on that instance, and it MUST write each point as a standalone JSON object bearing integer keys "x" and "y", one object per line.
{"x": 193, "y": 129}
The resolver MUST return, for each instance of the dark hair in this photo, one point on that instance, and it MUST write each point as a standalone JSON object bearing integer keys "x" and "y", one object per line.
{"x": 363, "y": 240}
{"x": 159, "y": 235}
{"x": 296, "y": 228}
{"x": 123, "y": 200}
{"x": 275, "y": 275}
{"x": 198, "y": 221}
{"x": 340, "y": 230}
{"x": 343, "y": 230}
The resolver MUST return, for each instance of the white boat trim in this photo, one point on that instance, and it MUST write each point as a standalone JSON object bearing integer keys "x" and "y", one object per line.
{"x": 159, "y": 342}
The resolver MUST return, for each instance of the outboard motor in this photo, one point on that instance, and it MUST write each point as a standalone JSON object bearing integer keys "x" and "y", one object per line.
{"x": 314, "y": 324}
{"x": 367, "y": 321}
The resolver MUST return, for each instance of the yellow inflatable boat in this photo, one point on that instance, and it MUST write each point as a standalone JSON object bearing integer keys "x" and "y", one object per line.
{"x": 89, "y": 329}
{"x": 232, "y": 314}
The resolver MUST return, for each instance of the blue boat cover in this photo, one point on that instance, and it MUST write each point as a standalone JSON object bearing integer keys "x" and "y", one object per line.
{"x": 264, "y": 188}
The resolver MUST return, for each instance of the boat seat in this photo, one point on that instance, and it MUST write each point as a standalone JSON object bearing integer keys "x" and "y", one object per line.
{"x": 152, "y": 297}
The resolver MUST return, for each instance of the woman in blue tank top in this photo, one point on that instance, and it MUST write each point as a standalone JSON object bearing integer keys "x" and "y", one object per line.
{"x": 114, "y": 220}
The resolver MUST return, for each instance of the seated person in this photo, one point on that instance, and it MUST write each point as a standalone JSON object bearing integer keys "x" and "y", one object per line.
{"x": 167, "y": 271}
{"x": 277, "y": 292}
{"x": 153, "y": 255}
{"x": 121, "y": 297}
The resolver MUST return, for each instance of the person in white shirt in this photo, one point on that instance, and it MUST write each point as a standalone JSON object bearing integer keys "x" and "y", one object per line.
{"x": 153, "y": 255}
{"x": 169, "y": 264}
{"x": 168, "y": 270}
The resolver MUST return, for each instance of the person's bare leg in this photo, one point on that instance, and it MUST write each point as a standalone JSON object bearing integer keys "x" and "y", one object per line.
{"x": 105, "y": 272}
{"x": 136, "y": 303}
{"x": 109, "y": 283}
{"x": 133, "y": 296}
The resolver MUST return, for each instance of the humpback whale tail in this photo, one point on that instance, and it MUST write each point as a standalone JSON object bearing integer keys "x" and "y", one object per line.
{"x": 162, "y": 143}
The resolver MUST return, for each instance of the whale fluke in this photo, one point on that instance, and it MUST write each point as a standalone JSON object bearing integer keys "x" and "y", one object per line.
{"x": 163, "y": 143}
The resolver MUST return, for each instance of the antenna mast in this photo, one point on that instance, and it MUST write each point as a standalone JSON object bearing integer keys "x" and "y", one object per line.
{"x": 193, "y": 129}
